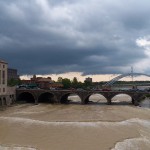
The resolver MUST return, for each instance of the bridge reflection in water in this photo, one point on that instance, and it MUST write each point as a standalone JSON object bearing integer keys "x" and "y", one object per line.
{"x": 61, "y": 96}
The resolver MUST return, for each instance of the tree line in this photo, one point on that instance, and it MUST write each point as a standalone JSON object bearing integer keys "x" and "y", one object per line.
{"x": 67, "y": 83}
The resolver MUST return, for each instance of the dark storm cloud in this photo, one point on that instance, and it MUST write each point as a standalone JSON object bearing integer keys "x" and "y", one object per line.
{"x": 44, "y": 36}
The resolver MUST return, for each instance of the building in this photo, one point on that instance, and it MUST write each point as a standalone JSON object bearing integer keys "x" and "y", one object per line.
{"x": 3, "y": 82}
{"x": 12, "y": 74}
{"x": 7, "y": 94}
{"x": 3, "y": 77}
{"x": 88, "y": 80}
{"x": 46, "y": 83}
{"x": 56, "y": 85}
{"x": 43, "y": 83}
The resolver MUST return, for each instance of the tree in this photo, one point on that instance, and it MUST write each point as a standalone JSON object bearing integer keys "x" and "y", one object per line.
{"x": 87, "y": 84}
{"x": 66, "y": 83}
{"x": 13, "y": 82}
{"x": 75, "y": 82}
{"x": 59, "y": 79}
{"x": 80, "y": 85}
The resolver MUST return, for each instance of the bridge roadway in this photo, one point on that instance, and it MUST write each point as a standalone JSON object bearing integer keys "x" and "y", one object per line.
{"x": 61, "y": 96}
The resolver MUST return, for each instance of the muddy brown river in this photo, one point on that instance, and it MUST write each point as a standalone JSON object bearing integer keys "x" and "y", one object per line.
{"x": 95, "y": 126}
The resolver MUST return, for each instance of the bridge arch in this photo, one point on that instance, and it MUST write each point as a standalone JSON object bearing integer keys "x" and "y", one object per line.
{"x": 122, "y": 98}
{"x": 111, "y": 82}
{"x": 70, "y": 98}
{"x": 95, "y": 97}
{"x": 46, "y": 97}
{"x": 26, "y": 97}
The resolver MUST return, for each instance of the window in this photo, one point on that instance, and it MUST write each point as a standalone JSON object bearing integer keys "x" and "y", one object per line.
{"x": 0, "y": 102}
{"x": 3, "y": 89}
{"x": 3, "y": 77}
{"x": 0, "y": 76}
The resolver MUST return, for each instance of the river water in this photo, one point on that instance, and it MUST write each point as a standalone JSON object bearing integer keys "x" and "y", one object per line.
{"x": 95, "y": 126}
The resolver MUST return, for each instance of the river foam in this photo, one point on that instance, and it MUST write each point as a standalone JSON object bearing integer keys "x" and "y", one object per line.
{"x": 75, "y": 127}
{"x": 132, "y": 144}
{"x": 15, "y": 148}
{"x": 92, "y": 123}
{"x": 127, "y": 144}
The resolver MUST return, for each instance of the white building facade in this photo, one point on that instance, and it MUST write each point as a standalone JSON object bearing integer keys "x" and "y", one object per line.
{"x": 3, "y": 77}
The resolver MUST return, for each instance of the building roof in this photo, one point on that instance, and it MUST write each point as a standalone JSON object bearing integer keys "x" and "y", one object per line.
{"x": 44, "y": 80}
{"x": 12, "y": 69}
{"x": 2, "y": 61}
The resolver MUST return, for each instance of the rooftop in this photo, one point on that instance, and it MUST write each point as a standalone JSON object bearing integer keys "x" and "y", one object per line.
{"x": 44, "y": 80}
{"x": 2, "y": 61}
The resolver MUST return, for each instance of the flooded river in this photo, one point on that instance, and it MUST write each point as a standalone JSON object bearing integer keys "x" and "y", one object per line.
{"x": 95, "y": 126}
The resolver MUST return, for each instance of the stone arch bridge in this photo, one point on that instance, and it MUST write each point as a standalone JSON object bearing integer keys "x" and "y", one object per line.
{"x": 60, "y": 96}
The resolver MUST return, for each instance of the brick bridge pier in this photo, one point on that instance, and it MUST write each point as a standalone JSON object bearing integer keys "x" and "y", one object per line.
{"x": 61, "y": 96}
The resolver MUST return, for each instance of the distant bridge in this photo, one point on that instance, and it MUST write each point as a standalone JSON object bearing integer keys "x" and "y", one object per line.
{"x": 61, "y": 96}
{"x": 111, "y": 82}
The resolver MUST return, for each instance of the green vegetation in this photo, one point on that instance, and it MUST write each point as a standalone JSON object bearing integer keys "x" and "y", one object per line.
{"x": 59, "y": 79}
{"x": 74, "y": 84}
{"x": 66, "y": 83}
{"x": 147, "y": 95}
{"x": 13, "y": 82}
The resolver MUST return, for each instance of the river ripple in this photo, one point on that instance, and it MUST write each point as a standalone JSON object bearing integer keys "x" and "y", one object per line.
{"x": 76, "y": 127}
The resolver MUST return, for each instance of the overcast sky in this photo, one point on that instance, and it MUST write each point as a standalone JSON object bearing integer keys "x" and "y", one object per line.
{"x": 91, "y": 37}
